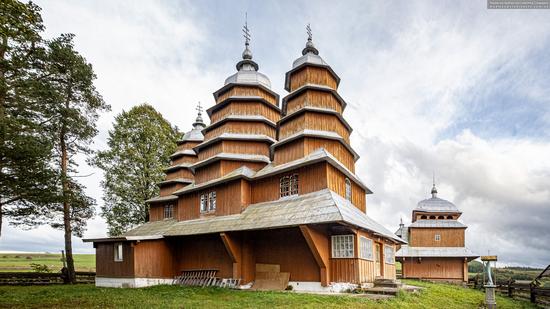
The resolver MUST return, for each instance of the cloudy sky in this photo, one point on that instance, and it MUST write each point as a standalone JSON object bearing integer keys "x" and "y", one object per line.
{"x": 446, "y": 87}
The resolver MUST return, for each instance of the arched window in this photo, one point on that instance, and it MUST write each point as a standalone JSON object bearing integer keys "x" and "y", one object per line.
{"x": 348, "y": 189}
{"x": 289, "y": 185}
{"x": 450, "y": 217}
{"x": 424, "y": 217}
{"x": 441, "y": 217}
{"x": 432, "y": 217}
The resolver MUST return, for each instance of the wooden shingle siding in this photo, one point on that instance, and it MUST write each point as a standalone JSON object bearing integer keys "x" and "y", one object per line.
{"x": 241, "y": 90}
{"x": 312, "y": 75}
{"x": 425, "y": 237}
{"x": 246, "y": 109}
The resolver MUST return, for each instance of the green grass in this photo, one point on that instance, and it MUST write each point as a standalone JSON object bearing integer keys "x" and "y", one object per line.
{"x": 86, "y": 296}
{"x": 21, "y": 261}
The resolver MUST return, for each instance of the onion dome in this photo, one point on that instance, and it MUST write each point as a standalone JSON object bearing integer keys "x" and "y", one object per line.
{"x": 195, "y": 135}
{"x": 247, "y": 69}
{"x": 436, "y": 204}
{"x": 310, "y": 54}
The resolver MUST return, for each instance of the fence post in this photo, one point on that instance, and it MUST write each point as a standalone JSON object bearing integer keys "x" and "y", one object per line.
{"x": 533, "y": 294}
{"x": 510, "y": 288}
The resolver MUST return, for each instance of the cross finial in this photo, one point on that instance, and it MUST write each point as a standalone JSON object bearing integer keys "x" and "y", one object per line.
{"x": 199, "y": 108}
{"x": 246, "y": 31}
{"x": 309, "y": 34}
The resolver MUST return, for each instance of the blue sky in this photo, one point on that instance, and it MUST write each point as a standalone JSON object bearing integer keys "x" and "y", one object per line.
{"x": 444, "y": 86}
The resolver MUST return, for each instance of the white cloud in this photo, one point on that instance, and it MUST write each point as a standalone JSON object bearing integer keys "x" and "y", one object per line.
{"x": 411, "y": 72}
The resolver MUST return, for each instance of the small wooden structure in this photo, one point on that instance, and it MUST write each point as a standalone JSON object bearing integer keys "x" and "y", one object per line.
{"x": 264, "y": 183}
{"x": 436, "y": 247}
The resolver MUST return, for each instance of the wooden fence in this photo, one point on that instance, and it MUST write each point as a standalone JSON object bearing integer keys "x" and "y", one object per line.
{"x": 33, "y": 278}
{"x": 517, "y": 289}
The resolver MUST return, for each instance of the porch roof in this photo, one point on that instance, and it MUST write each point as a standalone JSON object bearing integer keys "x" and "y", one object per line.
{"x": 318, "y": 207}
{"x": 407, "y": 251}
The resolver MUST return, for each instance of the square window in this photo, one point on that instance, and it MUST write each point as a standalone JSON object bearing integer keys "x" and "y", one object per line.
{"x": 365, "y": 248}
{"x": 342, "y": 246}
{"x": 437, "y": 237}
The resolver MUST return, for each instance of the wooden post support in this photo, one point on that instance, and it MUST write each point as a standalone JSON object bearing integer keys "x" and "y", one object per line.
{"x": 319, "y": 245}
{"x": 533, "y": 294}
{"x": 234, "y": 249}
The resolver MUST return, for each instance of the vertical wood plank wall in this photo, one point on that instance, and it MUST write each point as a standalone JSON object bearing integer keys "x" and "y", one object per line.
{"x": 312, "y": 75}
{"x": 203, "y": 252}
{"x": 180, "y": 173}
{"x": 425, "y": 237}
{"x": 314, "y": 98}
{"x": 246, "y": 108}
{"x": 434, "y": 268}
{"x": 337, "y": 183}
{"x": 105, "y": 261}
{"x": 249, "y": 91}
{"x": 154, "y": 259}
{"x": 242, "y": 127}
{"x": 311, "y": 178}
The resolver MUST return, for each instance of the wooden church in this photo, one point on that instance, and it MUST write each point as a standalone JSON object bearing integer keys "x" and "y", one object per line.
{"x": 268, "y": 189}
{"x": 436, "y": 247}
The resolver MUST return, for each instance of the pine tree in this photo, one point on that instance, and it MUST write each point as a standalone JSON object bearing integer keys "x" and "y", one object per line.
{"x": 140, "y": 145}
{"x": 27, "y": 180}
{"x": 74, "y": 104}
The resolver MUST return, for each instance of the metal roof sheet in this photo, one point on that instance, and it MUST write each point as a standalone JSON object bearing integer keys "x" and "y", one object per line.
{"x": 436, "y": 204}
{"x": 407, "y": 251}
{"x": 322, "y": 206}
{"x": 438, "y": 223}
{"x": 184, "y": 152}
{"x": 194, "y": 135}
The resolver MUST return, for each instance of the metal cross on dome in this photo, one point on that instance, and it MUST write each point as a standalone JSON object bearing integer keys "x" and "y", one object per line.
{"x": 199, "y": 108}
{"x": 309, "y": 35}
{"x": 246, "y": 31}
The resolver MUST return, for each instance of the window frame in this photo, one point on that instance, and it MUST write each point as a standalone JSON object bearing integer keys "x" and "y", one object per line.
{"x": 392, "y": 261}
{"x": 289, "y": 185}
{"x": 341, "y": 246}
{"x": 348, "y": 190}
{"x": 208, "y": 202}
{"x": 363, "y": 246}
{"x": 118, "y": 250}
{"x": 170, "y": 210}
{"x": 437, "y": 237}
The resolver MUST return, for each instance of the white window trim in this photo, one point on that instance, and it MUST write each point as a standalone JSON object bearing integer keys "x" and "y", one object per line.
{"x": 342, "y": 253}
{"x": 368, "y": 240}
{"x": 393, "y": 255}
{"x": 118, "y": 252}
{"x": 437, "y": 237}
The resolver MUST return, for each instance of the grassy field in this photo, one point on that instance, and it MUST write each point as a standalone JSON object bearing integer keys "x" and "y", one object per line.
{"x": 79, "y": 296}
{"x": 22, "y": 261}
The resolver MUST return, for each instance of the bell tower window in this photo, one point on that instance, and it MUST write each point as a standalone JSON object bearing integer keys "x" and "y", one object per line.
{"x": 288, "y": 185}
{"x": 348, "y": 189}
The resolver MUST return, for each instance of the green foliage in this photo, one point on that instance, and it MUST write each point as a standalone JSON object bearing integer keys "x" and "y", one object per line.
{"x": 40, "y": 268}
{"x": 140, "y": 145}
{"x": 475, "y": 267}
{"x": 27, "y": 179}
{"x": 88, "y": 296}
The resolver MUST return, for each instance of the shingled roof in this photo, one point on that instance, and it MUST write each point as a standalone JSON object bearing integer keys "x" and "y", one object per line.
{"x": 318, "y": 207}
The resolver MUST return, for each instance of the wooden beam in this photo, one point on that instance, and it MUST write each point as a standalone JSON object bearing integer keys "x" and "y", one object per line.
{"x": 234, "y": 249}
{"x": 319, "y": 246}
